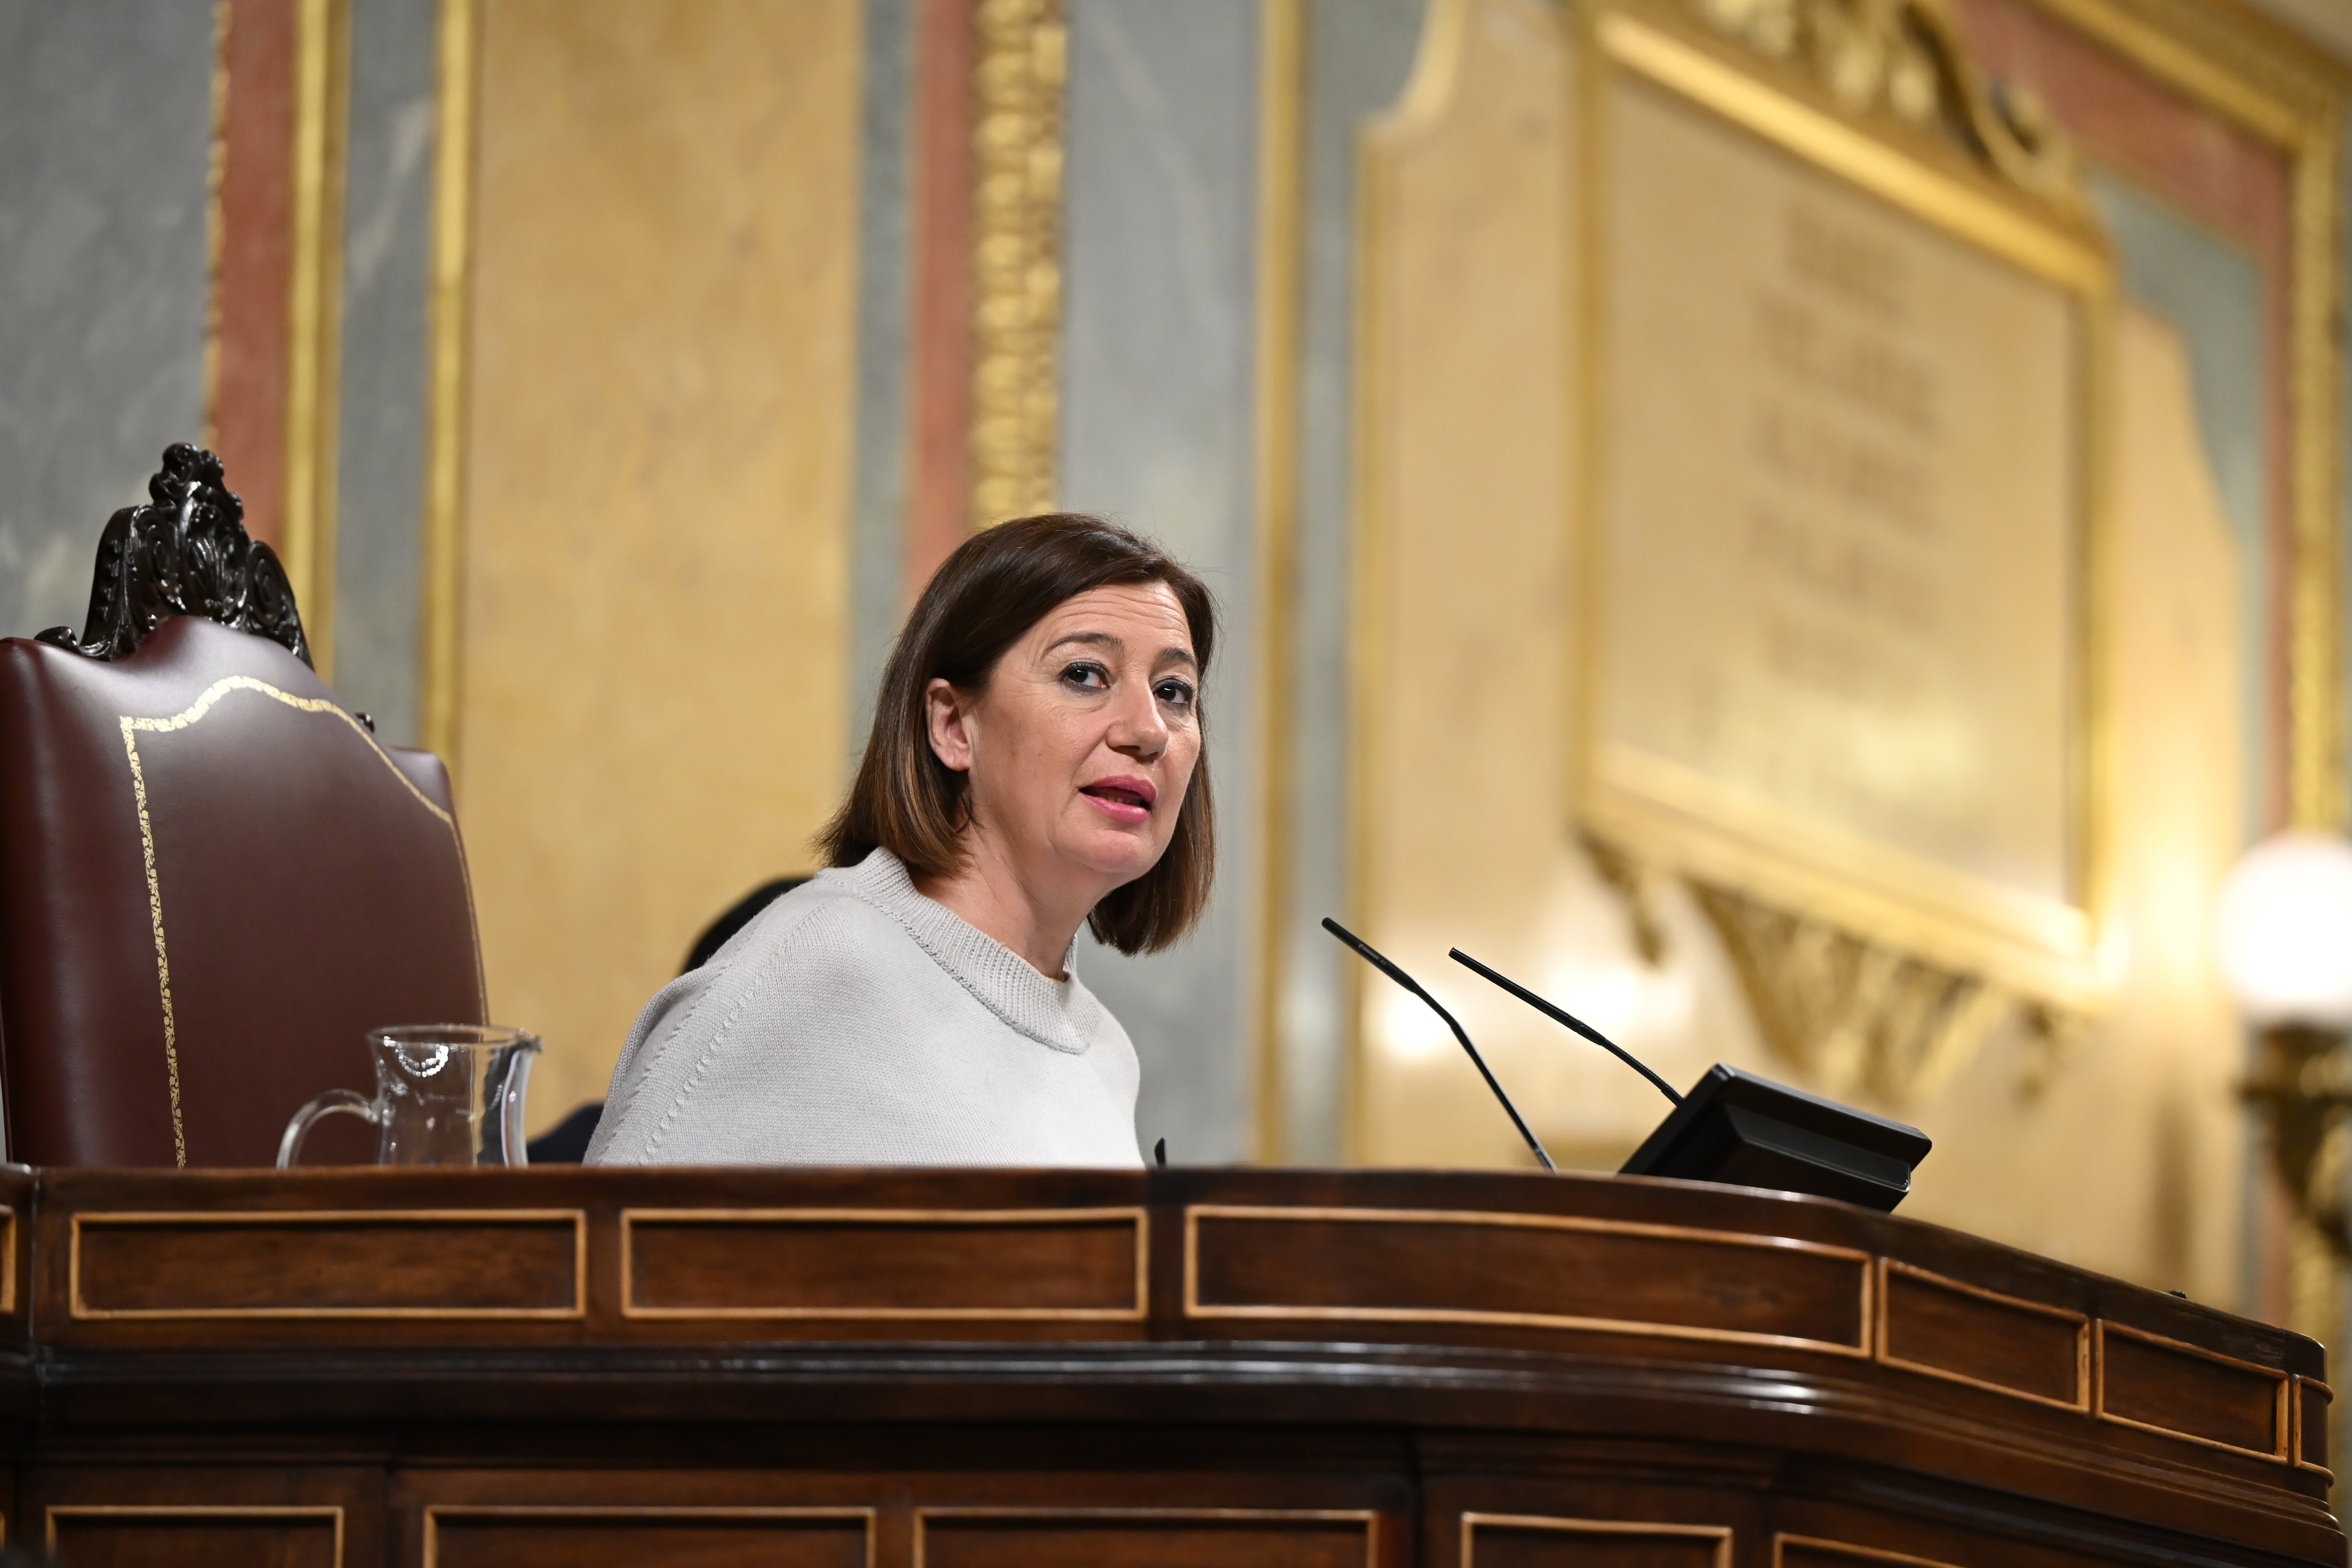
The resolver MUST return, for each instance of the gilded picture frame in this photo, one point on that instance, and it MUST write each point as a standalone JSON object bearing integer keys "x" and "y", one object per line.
{"x": 1931, "y": 155}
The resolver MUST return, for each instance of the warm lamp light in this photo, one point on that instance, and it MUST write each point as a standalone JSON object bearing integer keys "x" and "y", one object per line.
{"x": 2286, "y": 930}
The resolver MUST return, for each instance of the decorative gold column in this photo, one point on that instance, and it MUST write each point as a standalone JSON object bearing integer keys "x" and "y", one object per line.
{"x": 445, "y": 434}
{"x": 314, "y": 314}
{"x": 1022, "y": 67}
{"x": 1282, "y": 88}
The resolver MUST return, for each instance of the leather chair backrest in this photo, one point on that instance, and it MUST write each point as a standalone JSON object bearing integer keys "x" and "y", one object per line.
{"x": 212, "y": 882}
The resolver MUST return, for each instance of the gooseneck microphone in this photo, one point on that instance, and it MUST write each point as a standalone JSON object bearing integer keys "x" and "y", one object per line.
{"x": 1370, "y": 955}
{"x": 1562, "y": 1015}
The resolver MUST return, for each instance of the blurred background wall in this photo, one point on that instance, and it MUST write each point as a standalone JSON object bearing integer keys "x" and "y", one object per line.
{"x": 612, "y": 372}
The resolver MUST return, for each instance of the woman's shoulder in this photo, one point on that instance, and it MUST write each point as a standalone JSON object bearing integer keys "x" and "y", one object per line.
{"x": 824, "y": 923}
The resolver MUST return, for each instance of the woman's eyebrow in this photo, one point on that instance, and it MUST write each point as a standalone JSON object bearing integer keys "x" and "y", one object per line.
{"x": 1173, "y": 651}
{"x": 1093, "y": 639}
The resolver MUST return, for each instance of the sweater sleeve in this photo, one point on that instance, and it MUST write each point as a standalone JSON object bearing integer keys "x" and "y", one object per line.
{"x": 684, "y": 1028}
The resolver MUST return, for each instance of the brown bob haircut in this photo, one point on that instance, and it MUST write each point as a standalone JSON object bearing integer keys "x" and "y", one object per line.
{"x": 998, "y": 585}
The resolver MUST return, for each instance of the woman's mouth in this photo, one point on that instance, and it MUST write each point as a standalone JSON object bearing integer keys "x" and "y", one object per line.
{"x": 1124, "y": 800}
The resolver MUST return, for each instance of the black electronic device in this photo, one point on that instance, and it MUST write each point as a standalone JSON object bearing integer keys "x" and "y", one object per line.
{"x": 1740, "y": 1129}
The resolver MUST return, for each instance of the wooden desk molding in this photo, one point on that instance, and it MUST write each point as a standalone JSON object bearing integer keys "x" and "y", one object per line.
{"x": 978, "y": 1369}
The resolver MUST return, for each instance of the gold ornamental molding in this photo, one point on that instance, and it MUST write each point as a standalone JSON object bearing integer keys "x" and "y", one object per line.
{"x": 1021, "y": 67}
{"x": 1906, "y": 57}
{"x": 1849, "y": 1013}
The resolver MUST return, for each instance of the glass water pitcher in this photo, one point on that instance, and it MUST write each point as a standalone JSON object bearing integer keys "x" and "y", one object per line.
{"x": 447, "y": 1094}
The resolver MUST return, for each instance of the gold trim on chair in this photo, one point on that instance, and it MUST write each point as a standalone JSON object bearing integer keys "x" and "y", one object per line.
{"x": 185, "y": 718}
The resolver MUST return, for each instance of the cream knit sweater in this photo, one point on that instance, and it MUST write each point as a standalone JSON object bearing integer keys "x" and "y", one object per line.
{"x": 856, "y": 1022}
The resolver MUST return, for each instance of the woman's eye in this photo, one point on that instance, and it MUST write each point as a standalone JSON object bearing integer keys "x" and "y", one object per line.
{"x": 1175, "y": 693}
{"x": 1086, "y": 677}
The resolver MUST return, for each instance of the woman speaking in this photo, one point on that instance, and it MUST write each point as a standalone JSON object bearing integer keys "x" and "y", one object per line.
{"x": 1034, "y": 765}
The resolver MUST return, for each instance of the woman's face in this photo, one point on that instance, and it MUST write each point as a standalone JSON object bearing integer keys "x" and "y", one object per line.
{"x": 1081, "y": 746}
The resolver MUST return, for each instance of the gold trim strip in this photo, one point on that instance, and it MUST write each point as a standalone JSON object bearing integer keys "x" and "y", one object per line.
{"x": 162, "y": 958}
{"x": 1721, "y": 1534}
{"x": 1368, "y": 1517}
{"x": 1885, "y": 170}
{"x": 436, "y": 1512}
{"x": 1887, "y": 1266}
{"x": 2281, "y": 1416}
{"x": 1282, "y": 87}
{"x": 1139, "y": 1217}
{"x": 456, "y": 97}
{"x": 314, "y": 312}
{"x": 332, "y": 1512}
{"x": 2295, "y": 1404}
{"x": 1195, "y": 1213}
{"x": 1782, "y": 1541}
{"x": 2315, "y": 672}
{"x": 81, "y": 1311}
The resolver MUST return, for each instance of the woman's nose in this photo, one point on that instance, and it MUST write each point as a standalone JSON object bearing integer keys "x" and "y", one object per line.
{"x": 1137, "y": 728}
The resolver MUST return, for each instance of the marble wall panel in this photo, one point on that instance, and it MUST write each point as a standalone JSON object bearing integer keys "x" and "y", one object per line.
{"x": 885, "y": 264}
{"x": 105, "y": 119}
{"x": 380, "y": 489}
{"x": 1359, "y": 54}
{"x": 1156, "y": 431}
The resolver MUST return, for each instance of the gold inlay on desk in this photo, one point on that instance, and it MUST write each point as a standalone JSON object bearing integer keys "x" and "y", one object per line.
{"x": 452, "y": 1264}
{"x": 1015, "y": 1264}
{"x": 1819, "y": 1296}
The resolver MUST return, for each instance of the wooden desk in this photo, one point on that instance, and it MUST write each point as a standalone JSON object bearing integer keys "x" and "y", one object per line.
{"x": 978, "y": 1370}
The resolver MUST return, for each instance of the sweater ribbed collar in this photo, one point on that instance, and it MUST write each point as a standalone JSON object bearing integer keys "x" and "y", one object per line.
{"x": 1062, "y": 1014}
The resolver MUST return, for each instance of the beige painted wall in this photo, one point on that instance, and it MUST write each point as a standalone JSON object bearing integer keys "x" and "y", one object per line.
{"x": 2127, "y": 1158}
{"x": 657, "y": 449}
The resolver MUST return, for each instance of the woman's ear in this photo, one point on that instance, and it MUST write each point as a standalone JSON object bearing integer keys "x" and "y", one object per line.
{"x": 950, "y": 721}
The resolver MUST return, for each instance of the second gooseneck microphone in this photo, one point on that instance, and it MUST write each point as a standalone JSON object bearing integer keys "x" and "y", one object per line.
{"x": 1562, "y": 1015}
{"x": 1371, "y": 956}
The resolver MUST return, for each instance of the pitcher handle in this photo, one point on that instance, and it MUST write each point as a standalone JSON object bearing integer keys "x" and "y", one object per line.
{"x": 344, "y": 1100}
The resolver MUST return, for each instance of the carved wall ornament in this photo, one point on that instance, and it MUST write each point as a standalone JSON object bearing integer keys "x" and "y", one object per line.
{"x": 1851, "y": 1014}
{"x": 1906, "y": 58}
{"x": 1017, "y": 257}
{"x": 184, "y": 553}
